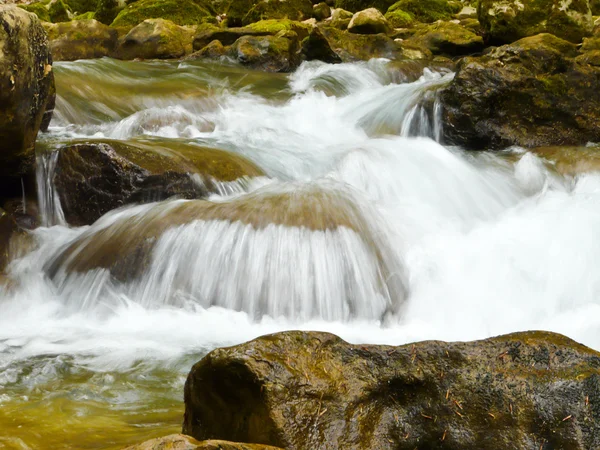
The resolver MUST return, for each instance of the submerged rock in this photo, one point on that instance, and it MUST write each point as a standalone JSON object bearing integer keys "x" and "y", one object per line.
{"x": 156, "y": 39}
{"x": 301, "y": 390}
{"x": 27, "y": 87}
{"x": 534, "y": 92}
{"x": 95, "y": 177}
{"x": 230, "y": 253}
{"x": 506, "y": 21}
{"x": 368, "y": 21}
{"x": 81, "y": 39}
{"x": 183, "y": 442}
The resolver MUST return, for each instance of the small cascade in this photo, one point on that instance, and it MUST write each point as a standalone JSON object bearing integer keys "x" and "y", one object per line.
{"x": 294, "y": 251}
{"x": 51, "y": 212}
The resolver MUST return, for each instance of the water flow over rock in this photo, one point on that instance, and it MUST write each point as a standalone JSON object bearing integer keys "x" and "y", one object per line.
{"x": 293, "y": 251}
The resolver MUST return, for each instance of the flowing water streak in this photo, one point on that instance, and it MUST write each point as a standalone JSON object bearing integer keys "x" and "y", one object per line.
{"x": 51, "y": 212}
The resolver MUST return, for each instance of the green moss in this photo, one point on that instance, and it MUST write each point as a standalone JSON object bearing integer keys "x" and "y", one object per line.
{"x": 359, "y": 5}
{"x": 82, "y": 6}
{"x": 427, "y": 11}
{"x": 274, "y": 26}
{"x": 399, "y": 18}
{"x": 245, "y": 12}
{"x": 59, "y": 11}
{"x": 39, "y": 10}
{"x": 181, "y": 12}
{"x": 86, "y": 16}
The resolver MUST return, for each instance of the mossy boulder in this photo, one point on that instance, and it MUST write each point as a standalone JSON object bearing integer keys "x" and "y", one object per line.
{"x": 316, "y": 47}
{"x": 80, "y": 39}
{"x": 361, "y": 47}
{"x": 181, "y": 12}
{"x": 86, "y": 16}
{"x": 155, "y": 39}
{"x": 183, "y": 442}
{"x": 274, "y": 26}
{"x": 447, "y": 38}
{"x": 340, "y": 19}
{"x": 245, "y": 12}
{"x": 59, "y": 11}
{"x": 227, "y": 36}
{"x": 426, "y": 11}
{"x": 359, "y": 5}
{"x": 107, "y": 11}
{"x": 398, "y": 18}
{"x": 279, "y": 53}
{"x": 39, "y": 9}
{"x": 368, "y": 21}
{"x": 95, "y": 177}
{"x": 311, "y": 390}
{"x": 535, "y": 92}
{"x": 27, "y": 89}
{"x": 506, "y": 21}
{"x": 214, "y": 50}
{"x": 321, "y": 11}
{"x": 79, "y": 7}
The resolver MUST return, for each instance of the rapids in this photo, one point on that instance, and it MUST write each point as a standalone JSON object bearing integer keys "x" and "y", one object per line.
{"x": 474, "y": 245}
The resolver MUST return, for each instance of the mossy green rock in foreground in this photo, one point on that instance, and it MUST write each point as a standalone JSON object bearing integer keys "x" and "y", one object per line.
{"x": 311, "y": 390}
{"x": 93, "y": 178}
{"x": 538, "y": 91}
{"x": 27, "y": 88}
{"x": 506, "y": 21}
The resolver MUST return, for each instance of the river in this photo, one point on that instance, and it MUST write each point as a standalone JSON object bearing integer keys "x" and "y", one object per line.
{"x": 477, "y": 244}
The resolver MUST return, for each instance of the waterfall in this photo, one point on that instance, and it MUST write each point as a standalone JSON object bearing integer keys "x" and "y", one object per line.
{"x": 51, "y": 212}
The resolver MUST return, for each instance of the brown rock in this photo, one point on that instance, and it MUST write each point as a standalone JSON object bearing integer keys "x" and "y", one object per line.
{"x": 183, "y": 442}
{"x": 310, "y": 390}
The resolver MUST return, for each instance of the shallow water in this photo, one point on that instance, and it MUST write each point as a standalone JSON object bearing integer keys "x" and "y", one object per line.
{"x": 484, "y": 243}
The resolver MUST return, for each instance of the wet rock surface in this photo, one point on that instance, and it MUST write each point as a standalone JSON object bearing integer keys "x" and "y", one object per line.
{"x": 27, "y": 86}
{"x": 300, "y": 390}
{"x": 183, "y": 442}
{"x": 94, "y": 178}
{"x": 538, "y": 91}
{"x": 81, "y": 39}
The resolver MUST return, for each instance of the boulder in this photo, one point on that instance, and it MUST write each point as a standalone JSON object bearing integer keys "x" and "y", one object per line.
{"x": 340, "y": 18}
{"x": 227, "y": 253}
{"x": 155, "y": 39}
{"x": 279, "y": 53}
{"x": 426, "y": 11}
{"x": 535, "y": 92}
{"x": 59, "y": 11}
{"x": 368, "y": 21}
{"x": 361, "y": 47}
{"x": 181, "y": 12}
{"x": 39, "y": 9}
{"x": 506, "y": 21}
{"x": 214, "y": 50}
{"x": 245, "y": 12}
{"x": 183, "y": 442}
{"x": 95, "y": 177}
{"x": 359, "y": 5}
{"x": 208, "y": 33}
{"x": 321, "y": 11}
{"x": 301, "y": 390}
{"x": 7, "y": 228}
{"x": 107, "y": 11}
{"x": 398, "y": 18}
{"x": 81, "y": 39}
{"x": 27, "y": 89}
{"x": 571, "y": 161}
{"x": 316, "y": 47}
{"x": 447, "y": 38}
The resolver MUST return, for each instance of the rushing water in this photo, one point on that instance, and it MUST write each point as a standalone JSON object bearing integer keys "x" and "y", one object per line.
{"x": 373, "y": 231}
